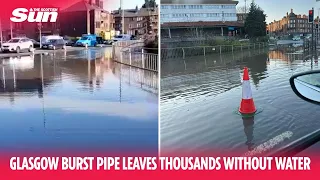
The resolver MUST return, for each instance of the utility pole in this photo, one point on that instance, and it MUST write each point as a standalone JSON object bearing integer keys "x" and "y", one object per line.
{"x": 122, "y": 13}
{"x": 40, "y": 33}
{"x": 1, "y": 33}
{"x": 11, "y": 35}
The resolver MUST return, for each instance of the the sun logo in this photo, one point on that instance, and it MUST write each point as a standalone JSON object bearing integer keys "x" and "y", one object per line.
{"x": 35, "y": 15}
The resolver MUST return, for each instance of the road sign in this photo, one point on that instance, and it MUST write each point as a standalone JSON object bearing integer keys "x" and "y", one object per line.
{"x": 311, "y": 16}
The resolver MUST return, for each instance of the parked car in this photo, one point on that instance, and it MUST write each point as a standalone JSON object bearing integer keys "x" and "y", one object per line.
{"x": 54, "y": 44}
{"x": 122, "y": 37}
{"x": 36, "y": 44}
{"x": 87, "y": 39}
{"x": 17, "y": 45}
{"x": 45, "y": 39}
{"x": 296, "y": 38}
{"x": 100, "y": 40}
{"x": 68, "y": 41}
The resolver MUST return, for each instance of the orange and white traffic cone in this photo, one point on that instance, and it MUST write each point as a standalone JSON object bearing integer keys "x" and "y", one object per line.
{"x": 247, "y": 105}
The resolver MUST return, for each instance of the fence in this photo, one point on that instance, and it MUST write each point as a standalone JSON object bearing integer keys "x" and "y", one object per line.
{"x": 145, "y": 80}
{"x": 133, "y": 54}
{"x": 183, "y": 52}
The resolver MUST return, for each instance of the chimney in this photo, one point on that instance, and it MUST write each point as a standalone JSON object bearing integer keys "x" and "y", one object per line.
{"x": 291, "y": 10}
{"x": 99, "y": 3}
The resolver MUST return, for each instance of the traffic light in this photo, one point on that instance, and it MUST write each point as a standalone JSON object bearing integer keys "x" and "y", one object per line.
{"x": 311, "y": 16}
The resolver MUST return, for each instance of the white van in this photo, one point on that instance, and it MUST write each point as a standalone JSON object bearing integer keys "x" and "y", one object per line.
{"x": 122, "y": 37}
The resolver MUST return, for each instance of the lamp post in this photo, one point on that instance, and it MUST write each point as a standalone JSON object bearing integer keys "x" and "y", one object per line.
{"x": 1, "y": 33}
{"x": 40, "y": 35}
{"x": 11, "y": 31}
{"x": 122, "y": 15}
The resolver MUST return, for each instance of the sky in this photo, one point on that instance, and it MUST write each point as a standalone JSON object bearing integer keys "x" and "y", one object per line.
{"x": 276, "y": 9}
{"x": 127, "y": 4}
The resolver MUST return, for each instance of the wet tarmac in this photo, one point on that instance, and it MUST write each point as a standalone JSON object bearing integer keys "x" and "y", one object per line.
{"x": 76, "y": 101}
{"x": 200, "y": 98}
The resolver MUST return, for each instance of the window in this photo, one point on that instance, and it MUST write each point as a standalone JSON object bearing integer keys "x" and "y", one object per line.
{"x": 164, "y": 7}
{"x": 98, "y": 24}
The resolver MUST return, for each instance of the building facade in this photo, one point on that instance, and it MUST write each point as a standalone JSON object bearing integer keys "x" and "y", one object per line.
{"x": 199, "y": 18}
{"x": 195, "y": 11}
{"x": 241, "y": 17}
{"x": 86, "y": 18}
{"x": 290, "y": 24}
{"x": 137, "y": 22}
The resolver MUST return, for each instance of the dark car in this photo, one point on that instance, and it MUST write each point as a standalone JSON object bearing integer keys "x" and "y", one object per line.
{"x": 36, "y": 44}
{"x": 54, "y": 44}
{"x": 100, "y": 40}
{"x": 69, "y": 42}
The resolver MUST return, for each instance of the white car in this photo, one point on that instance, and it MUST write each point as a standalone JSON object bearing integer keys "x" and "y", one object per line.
{"x": 296, "y": 38}
{"x": 17, "y": 45}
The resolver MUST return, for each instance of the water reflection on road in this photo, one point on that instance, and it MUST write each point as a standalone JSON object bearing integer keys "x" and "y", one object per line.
{"x": 200, "y": 97}
{"x": 79, "y": 100}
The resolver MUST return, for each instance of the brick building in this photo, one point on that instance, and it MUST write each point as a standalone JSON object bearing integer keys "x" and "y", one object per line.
{"x": 85, "y": 17}
{"x": 241, "y": 17}
{"x": 290, "y": 24}
{"x": 137, "y": 22}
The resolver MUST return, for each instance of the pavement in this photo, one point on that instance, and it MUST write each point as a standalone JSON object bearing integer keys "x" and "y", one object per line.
{"x": 41, "y": 51}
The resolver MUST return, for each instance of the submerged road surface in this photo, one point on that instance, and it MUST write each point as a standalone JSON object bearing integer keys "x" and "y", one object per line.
{"x": 76, "y": 101}
{"x": 200, "y": 98}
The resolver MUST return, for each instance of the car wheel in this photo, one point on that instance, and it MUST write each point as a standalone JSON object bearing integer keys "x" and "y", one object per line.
{"x": 18, "y": 49}
{"x": 30, "y": 48}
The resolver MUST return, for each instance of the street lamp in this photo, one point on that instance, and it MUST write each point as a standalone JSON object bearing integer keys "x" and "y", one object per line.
{"x": 1, "y": 34}
{"x": 40, "y": 36}
{"x": 122, "y": 14}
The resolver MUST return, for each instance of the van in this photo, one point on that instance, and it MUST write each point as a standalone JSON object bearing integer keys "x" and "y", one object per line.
{"x": 87, "y": 39}
{"x": 122, "y": 37}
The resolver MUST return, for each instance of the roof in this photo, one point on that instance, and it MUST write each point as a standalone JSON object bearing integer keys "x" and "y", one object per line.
{"x": 140, "y": 12}
{"x": 202, "y": 24}
{"x": 81, "y": 6}
{"x": 199, "y": 2}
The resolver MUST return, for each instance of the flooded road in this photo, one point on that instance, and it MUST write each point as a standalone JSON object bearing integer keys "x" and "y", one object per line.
{"x": 80, "y": 101}
{"x": 200, "y": 98}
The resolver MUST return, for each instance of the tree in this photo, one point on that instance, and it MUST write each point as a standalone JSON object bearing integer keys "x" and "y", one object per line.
{"x": 255, "y": 23}
{"x": 150, "y": 4}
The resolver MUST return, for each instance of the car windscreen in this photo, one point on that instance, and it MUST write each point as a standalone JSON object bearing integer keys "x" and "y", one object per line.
{"x": 13, "y": 40}
{"x": 84, "y": 38}
{"x": 119, "y": 37}
{"x": 52, "y": 41}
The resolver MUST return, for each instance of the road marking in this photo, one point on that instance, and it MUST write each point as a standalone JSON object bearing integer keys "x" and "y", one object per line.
{"x": 269, "y": 145}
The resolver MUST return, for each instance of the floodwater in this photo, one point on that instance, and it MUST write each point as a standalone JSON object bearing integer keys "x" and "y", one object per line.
{"x": 78, "y": 101}
{"x": 200, "y": 98}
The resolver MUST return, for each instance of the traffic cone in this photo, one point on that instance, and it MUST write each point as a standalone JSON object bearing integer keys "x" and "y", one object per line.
{"x": 247, "y": 104}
